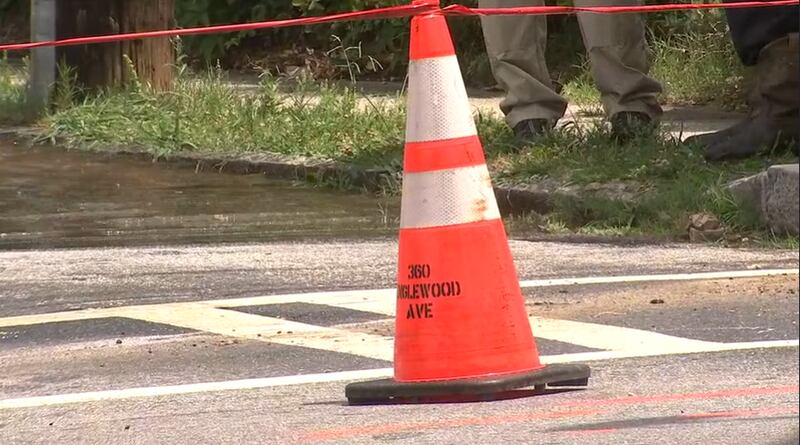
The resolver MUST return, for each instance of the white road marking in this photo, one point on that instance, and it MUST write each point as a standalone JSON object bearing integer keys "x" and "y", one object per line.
{"x": 613, "y": 338}
{"x": 255, "y": 327}
{"x": 56, "y": 317}
{"x": 158, "y": 391}
{"x": 272, "y": 382}
{"x": 216, "y": 317}
{"x": 693, "y": 349}
{"x": 382, "y": 301}
{"x": 379, "y": 301}
{"x": 206, "y": 318}
{"x": 665, "y": 277}
{"x": 274, "y": 330}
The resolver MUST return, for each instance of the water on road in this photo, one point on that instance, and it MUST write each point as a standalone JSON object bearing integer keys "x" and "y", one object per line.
{"x": 50, "y": 197}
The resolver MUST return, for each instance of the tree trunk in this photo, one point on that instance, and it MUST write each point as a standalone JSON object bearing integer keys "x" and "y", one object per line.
{"x": 114, "y": 64}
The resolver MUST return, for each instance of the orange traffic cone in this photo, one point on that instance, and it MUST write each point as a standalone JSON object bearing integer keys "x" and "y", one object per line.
{"x": 462, "y": 330}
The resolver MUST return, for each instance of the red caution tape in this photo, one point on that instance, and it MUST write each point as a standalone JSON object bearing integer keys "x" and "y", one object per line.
{"x": 393, "y": 12}
{"x": 379, "y": 13}
{"x": 560, "y": 10}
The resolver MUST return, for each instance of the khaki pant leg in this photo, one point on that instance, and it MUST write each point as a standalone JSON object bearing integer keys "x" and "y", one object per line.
{"x": 516, "y": 47}
{"x": 618, "y": 53}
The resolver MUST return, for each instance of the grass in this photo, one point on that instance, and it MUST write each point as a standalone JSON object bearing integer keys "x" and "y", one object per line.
{"x": 695, "y": 63}
{"x": 700, "y": 69}
{"x": 649, "y": 185}
{"x": 210, "y": 116}
{"x": 12, "y": 93}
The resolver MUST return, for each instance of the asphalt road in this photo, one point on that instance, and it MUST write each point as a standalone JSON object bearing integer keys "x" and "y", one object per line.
{"x": 71, "y": 279}
{"x": 255, "y": 343}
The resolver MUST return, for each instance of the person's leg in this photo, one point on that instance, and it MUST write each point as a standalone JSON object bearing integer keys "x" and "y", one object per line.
{"x": 768, "y": 39}
{"x": 774, "y": 123}
{"x": 516, "y": 47}
{"x": 753, "y": 29}
{"x": 618, "y": 54}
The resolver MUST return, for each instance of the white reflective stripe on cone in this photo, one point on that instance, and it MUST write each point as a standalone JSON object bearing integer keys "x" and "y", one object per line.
{"x": 448, "y": 197}
{"x": 438, "y": 107}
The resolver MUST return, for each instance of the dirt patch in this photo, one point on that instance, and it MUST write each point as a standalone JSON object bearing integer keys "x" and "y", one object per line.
{"x": 570, "y": 302}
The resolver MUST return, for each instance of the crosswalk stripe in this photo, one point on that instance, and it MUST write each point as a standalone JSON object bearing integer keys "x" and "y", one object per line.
{"x": 273, "y": 330}
{"x": 613, "y": 338}
{"x": 381, "y": 301}
{"x": 217, "y": 317}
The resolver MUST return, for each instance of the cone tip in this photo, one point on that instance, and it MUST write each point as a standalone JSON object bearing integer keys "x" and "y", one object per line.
{"x": 430, "y": 37}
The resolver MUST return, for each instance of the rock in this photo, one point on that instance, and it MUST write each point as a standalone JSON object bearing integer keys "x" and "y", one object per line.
{"x": 705, "y": 236}
{"x": 773, "y": 196}
{"x": 780, "y": 199}
{"x": 704, "y": 222}
{"x": 747, "y": 192}
{"x": 705, "y": 228}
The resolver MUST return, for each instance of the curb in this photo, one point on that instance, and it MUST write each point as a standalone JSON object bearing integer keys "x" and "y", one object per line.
{"x": 772, "y": 196}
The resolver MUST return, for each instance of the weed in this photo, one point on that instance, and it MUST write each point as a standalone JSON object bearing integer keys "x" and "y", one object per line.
{"x": 350, "y": 58}
{"x": 66, "y": 90}
{"x": 693, "y": 59}
{"x": 13, "y": 102}
{"x": 700, "y": 69}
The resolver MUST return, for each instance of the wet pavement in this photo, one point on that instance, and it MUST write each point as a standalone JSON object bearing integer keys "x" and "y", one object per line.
{"x": 52, "y": 198}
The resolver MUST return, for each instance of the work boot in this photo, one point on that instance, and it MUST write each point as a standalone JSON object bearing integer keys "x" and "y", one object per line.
{"x": 627, "y": 125}
{"x": 775, "y": 123}
{"x": 708, "y": 139}
{"x": 761, "y": 133}
{"x": 531, "y": 131}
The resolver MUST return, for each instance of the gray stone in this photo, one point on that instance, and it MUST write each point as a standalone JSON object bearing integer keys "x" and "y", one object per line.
{"x": 773, "y": 196}
{"x": 780, "y": 199}
{"x": 747, "y": 192}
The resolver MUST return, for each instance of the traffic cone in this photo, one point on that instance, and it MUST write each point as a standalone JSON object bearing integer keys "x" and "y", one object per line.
{"x": 462, "y": 330}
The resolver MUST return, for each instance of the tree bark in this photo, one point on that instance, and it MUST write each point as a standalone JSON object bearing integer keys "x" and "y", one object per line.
{"x": 115, "y": 64}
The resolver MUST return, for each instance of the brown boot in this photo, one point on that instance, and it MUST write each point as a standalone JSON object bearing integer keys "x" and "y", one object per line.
{"x": 775, "y": 123}
{"x": 773, "y": 119}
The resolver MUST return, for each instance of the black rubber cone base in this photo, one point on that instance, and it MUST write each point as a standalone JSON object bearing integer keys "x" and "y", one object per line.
{"x": 391, "y": 392}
